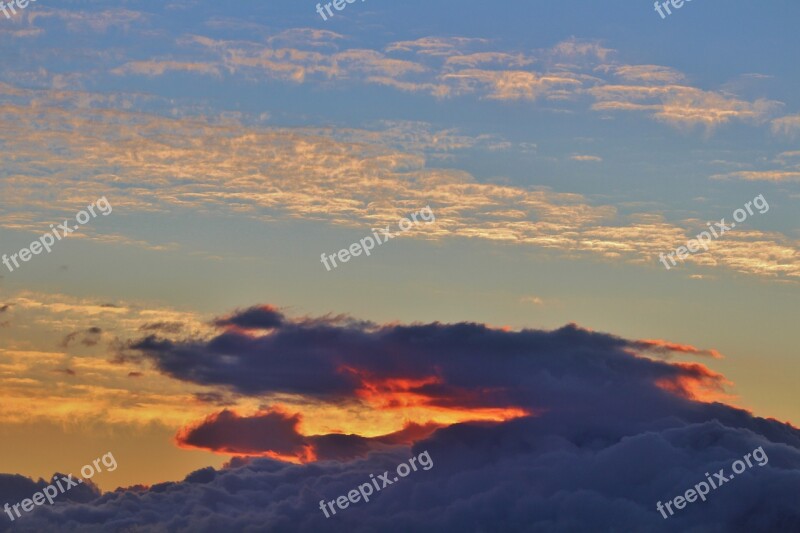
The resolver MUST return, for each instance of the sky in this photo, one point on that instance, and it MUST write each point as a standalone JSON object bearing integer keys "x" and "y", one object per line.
{"x": 529, "y": 329}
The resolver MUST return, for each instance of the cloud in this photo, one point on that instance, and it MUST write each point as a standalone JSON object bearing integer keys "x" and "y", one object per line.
{"x": 788, "y": 125}
{"x": 91, "y": 337}
{"x": 446, "y": 67}
{"x": 15, "y": 488}
{"x": 159, "y": 67}
{"x": 22, "y": 33}
{"x": 336, "y": 360}
{"x": 326, "y": 175}
{"x": 512, "y": 84}
{"x": 418, "y": 137}
{"x": 649, "y": 74}
{"x": 299, "y": 66}
{"x": 430, "y": 373}
{"x": 435, "y": 46}
{"x": 610, "y": 433}
{"x": 761, "y": 175}
{"x": 577, "y": 48}
{"x": 783, "y": 156}
{"x": 665, "y": 347}
{"x": 98, "y": 21}
{"x": 480, "y": 58}
{"x": 259, "y": 317}
{"x": 168, "y": 327}
{"x": 76, "y": 383}
{"x": 275, "y": 433}
{"x": 307, "y": 37}
{"x": 680, "y": 105}
{"x": 272, "y": 431}
{"x": 592, "y": 158}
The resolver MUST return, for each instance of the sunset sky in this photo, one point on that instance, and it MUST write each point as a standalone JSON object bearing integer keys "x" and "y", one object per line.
{"x": 562, "y": 146}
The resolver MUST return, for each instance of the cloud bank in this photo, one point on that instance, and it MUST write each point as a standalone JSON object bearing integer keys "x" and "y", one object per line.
{"x": 609, "y": 432}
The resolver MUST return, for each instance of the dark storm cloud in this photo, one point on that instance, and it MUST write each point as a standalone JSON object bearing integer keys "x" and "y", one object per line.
{"x": 472, "y": 365}
{"x": 15, "y": 488}
{"x": 611, "y": 435}
{"x": 546, "y": 474}
{"x": 257, "y": 317}
{"x": 226, "y": 431}
{"x": 449, "y": 366}
{"x": 277, "y": 432}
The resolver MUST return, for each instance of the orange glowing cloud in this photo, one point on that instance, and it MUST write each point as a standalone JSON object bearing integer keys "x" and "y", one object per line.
{"x": 410, "y": 395}
{"x": 276, "y": 434}
{"x": 426, "y": 404}
{"x": 662, "y": 346}
{"x": 697, "y": 382}
{"x": 267, "y": 434}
